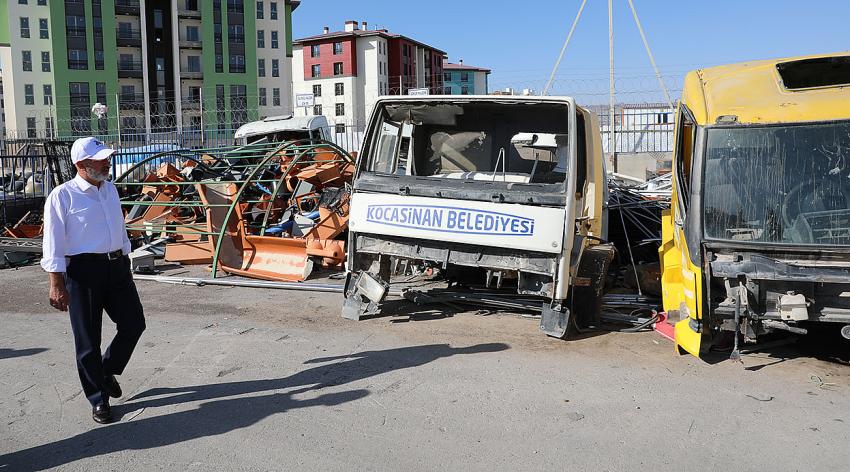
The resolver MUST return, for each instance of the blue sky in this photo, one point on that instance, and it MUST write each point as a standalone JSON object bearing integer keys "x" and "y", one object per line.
{"x": 520, "y": 41}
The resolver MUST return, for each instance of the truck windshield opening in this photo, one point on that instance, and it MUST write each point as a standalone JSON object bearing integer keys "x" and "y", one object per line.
{"x": 519, "y": 143}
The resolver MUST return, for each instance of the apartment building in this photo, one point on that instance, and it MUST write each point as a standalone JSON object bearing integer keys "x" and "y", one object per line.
{"x": 158, "y": 65}
{"x": 463, "y": 79}
{"x": 348, "y": 70}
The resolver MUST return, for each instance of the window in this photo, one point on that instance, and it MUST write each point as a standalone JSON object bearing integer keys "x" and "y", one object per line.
{"x": 317, "y": 90}
{"x": 22, "y": 2}
{"x": 195, "y": 94}
{"x": 316, "y": 70}
{"x": 237, "y": 63}
{"x": 337, "y": 68}
{"x": 261, "y": 39}
{"x": 273, "y": 10}
{"x": 339, "y": 88}
{"x": 157, "y": 19}
{"x": 315, "y": 50}
{"x": 219, "y": 63}
{"x": 98, "y": 59}
{"x": 42, "y": 3}
{"x": 125, "y": 61}
{"x": 43, "y": 31}
{"x": 447, "y": 77}
{"x": 26, "y": 58}
{"x": 192, "y": 5}
{"x": 337, "y": 48}
{"x": 464, "y": 76}
{"x": 259, "y": 10}
{"x": 29, "y": 95}
{"x": 45, "y": 61}
{"x": 275, "y": 68}
{"x": 31, "y": 127}
{"x": 317, "y": 110}
{"x": 75, "y": 26}
{"x": 448, "y": 90}
{"x": 100, "y": 92}
{"x": 194, "y": 63}
{"x": 219, "y": 106}
{"x": 464, "y": 90}
{"x": 48, "y": 126}
{"x": 128, "y": 93}
{"x": 339, "y": 128}
{"x": 25, "y": 27}
{"x": 340, "y": 109}
{"x": 48, "y": 94}
{"x": 192, "y": 33}
{"x": 236, "y": 33}
{"x": 276, "y": 97}
{"x": 261, "y": 67}
{"x": 274, "y": 40}
{"x": 682, "y": 161}
{"x": 262, "y": 93}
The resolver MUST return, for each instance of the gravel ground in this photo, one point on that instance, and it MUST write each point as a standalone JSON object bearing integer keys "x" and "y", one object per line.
{"x": 248, "y": 379}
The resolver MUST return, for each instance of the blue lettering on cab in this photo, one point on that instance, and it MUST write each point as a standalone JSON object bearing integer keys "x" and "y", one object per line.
{"x": 445, "y": 219}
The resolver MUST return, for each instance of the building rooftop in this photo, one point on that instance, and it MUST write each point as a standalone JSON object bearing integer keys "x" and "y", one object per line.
{"x": 362, "y": 33}
{"x": 449, "y": 66}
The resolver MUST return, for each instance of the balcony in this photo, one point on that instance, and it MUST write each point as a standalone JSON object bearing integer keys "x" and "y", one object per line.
{"x": 191, "y": 103}
{"x": 131, "y": 101}
{"x": 78, "y": 64}
{"x": 236, "y": 38}
{"x": 129, "y": 69}
{"x": 75, "y": 32}
{"x": 184, "y": 13}
{"x": 125, "y": 37}
{"x": 190, "y": 43}
{"x": 191, "y": 74}
{"x": 127, "y": 7}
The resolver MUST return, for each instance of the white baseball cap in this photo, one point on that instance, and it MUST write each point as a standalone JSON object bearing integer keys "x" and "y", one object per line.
{"x": 90, "y": 148}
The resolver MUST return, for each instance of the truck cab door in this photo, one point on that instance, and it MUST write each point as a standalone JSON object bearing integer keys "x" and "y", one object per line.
{"x": 681, "y": 278}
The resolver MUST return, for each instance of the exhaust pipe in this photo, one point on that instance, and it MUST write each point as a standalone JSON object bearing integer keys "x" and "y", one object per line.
{"x": 845, "y": 332}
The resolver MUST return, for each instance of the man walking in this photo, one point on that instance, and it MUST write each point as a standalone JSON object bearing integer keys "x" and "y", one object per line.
{"x": 85, "y": 255}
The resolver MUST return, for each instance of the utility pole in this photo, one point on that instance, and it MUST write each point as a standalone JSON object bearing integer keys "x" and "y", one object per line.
{"x": 612, "y": 143}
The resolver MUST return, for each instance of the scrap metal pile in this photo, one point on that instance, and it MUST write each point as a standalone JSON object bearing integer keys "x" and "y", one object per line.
{"x": 267, "y": 211}
{"x": 635, "y": 230}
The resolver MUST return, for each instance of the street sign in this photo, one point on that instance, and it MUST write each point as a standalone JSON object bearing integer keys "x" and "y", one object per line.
{"x": 305, "y": 99}
{"x": 418, "y": 91}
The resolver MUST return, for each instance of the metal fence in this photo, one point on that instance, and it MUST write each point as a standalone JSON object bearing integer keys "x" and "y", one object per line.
{"x": 644, "y": 129}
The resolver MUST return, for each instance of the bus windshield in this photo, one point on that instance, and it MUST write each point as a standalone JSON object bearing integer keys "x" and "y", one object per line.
{"x": 786, "y": 185}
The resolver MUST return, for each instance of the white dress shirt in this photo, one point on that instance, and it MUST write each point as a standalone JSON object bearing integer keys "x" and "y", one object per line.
{"x": 81, "y": 218}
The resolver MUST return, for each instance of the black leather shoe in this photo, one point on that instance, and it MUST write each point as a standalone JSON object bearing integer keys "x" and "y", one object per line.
{"x": 102, "y": 413}
{"x": 111, "y": 387}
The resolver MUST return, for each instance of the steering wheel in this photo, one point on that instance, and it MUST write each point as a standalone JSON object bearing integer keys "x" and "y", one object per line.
{"x": 815, "y": 198}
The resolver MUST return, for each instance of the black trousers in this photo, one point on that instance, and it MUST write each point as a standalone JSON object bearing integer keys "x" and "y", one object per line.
{"x": 95, "y": 286}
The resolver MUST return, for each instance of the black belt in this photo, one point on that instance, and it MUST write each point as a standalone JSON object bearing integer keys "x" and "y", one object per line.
{"x": 109, "y": 256}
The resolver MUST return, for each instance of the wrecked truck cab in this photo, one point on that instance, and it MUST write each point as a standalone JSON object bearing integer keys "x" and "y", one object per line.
{"x": 492, "y": 191}
{"x": 758, "y": 236}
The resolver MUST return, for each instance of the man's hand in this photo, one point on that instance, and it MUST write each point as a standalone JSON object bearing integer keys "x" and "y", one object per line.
{"x": 58, "y": 293}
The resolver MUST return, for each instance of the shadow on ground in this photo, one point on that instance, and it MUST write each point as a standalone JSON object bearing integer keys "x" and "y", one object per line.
{"x": 10, "y": 353}
{"x": 230, "y": 406}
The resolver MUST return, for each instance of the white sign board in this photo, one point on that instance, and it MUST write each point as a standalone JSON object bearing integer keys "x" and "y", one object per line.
{"x": 418, "y": 91}
{"x": 459, "y": 221}
{"x": 305, "y": 99}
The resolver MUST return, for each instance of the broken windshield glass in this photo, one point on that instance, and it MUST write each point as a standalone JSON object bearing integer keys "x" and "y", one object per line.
{"x": 522, "y": 143}
{"x": 779, "y": 184}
